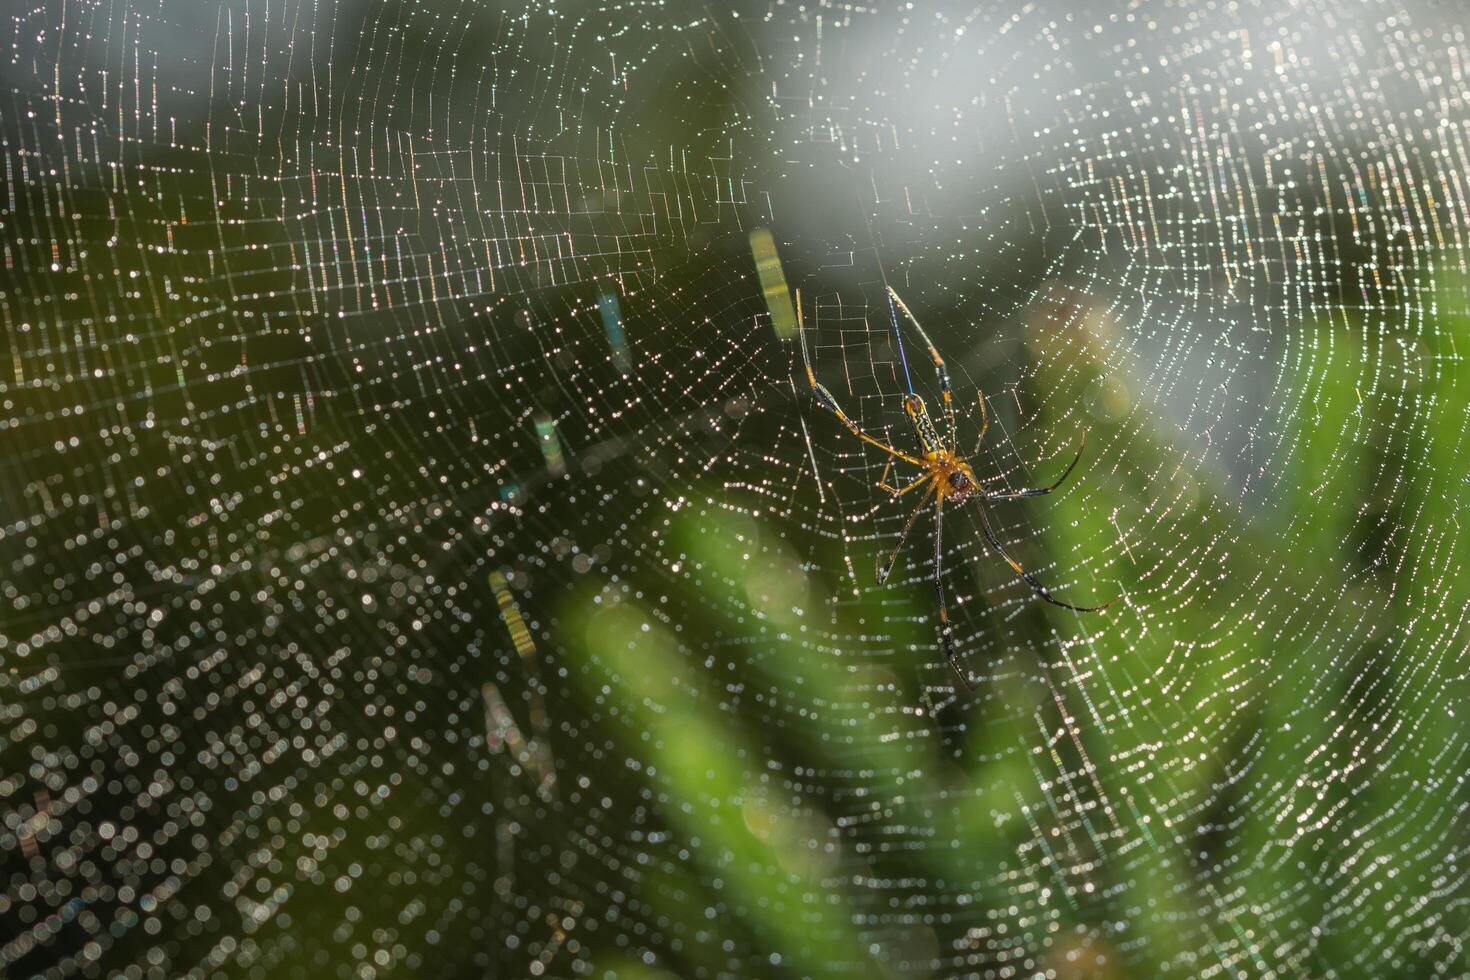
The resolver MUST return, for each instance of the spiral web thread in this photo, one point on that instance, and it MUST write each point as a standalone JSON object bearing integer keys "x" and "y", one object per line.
{"x": 376, "y": 370}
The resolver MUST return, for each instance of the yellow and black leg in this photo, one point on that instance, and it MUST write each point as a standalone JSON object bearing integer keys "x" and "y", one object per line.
{"x": 946, "y": 629}
{"x": 885, "y": 567}
{"x": 894, "y": 491}
{"x": 1042, "y": 491}
{"x": 825, "y": 397}
{"x": 1030, "y": 579}
{"x": 939, "y": 369}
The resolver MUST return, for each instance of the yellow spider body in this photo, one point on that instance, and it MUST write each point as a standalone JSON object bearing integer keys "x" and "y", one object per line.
{"x": 952, "y": 477}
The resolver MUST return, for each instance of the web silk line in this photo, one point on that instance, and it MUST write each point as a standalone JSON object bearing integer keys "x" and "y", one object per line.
{"x": 898, "y": 336}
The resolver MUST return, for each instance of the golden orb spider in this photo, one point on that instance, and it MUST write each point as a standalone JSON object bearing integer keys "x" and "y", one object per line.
{"x": 948, "y": 476}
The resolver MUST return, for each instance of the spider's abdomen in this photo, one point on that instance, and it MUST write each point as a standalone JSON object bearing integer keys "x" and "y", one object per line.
{"x": 918, "y": 414}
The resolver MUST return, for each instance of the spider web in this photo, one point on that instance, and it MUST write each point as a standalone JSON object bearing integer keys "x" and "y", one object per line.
{"x": 424, "y": 554}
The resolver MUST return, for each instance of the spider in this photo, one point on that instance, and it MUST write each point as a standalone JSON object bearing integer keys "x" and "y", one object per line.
{"x": 948, "y": 476}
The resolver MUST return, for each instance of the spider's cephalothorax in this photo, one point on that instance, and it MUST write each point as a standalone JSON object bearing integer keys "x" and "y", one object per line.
{"x": 949, "y": 479}
{"x": 953, "y": 478}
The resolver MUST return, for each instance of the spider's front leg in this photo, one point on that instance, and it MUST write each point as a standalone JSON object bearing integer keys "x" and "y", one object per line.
{"x": 825, "y": 397}
{"x": 939, "y": 369}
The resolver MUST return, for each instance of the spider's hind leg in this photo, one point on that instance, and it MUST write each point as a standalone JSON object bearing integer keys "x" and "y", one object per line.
{"x": 1027, "y": 577}
{"x": 885, "y": 566}
{"x": 946, "y": 630}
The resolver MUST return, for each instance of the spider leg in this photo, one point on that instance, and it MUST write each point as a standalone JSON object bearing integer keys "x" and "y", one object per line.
{"x": 1030, "y": 579}
{"x": 946, "y": 631}
{"x": 885, "y": 568}
{"x": 883, "y": 483}
{"x": 984, "y": 424}
{"x": 1041, "y": 491}
{"x": 825, "y": 397}
{"x": 939, "y": 369}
